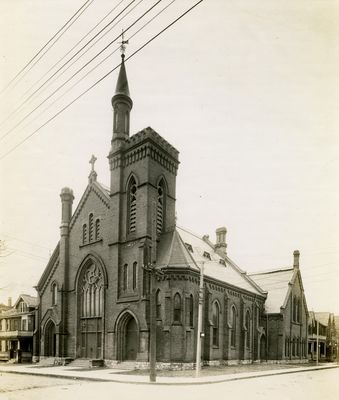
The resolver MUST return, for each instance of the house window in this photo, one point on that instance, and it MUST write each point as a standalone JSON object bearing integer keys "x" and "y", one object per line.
{"x": 189, "y": 247}
{"x": 97, "y": 229}
{"x": 248, "y": 330}
{"x": 287, "y": 347}
{"x": 177, "y": 308}
{"x": 132, "y": 205}
{"x": 91, "y": 227}
{"x": 134, "y": 280}
{"x": 54, "y": 294}
{"x": 233, "y": 326}
{"x": 215, "y": 322}
{"x": 23, "y": 325}
{"x": 161, "y": 207}
{"x": 158, "y": 304}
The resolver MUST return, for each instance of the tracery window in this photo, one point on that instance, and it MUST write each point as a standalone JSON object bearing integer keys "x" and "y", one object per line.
{"x": 215, "y": 322}
{"x": 177, "y": 308}
{"x": 233, "y": 326}
{"x": 132, "y": 205}
{"x": 92, "y": 292}
{"x": 161, "y": 207}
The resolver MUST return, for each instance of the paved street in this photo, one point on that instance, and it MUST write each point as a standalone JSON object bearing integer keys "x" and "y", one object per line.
{"x": 310, "y": 385}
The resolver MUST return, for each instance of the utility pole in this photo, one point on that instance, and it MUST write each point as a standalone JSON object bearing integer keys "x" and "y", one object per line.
{"x": 199, "y": 330}
{"x": 317, "y": 342}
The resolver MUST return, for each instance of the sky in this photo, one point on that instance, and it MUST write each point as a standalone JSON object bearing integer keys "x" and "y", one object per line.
{"x": 246, "y": 90}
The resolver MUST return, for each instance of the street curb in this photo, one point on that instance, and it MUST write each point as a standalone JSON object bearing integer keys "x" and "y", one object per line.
{"x": 233, "y": 378}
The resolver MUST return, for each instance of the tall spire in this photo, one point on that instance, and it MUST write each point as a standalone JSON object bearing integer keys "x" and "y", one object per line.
{"x": 121, "y": 101}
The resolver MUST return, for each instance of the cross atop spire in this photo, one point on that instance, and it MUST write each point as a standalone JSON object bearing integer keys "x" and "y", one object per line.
{"x": 122, "y": 44}
{"x": 92, "y": 175}
{"x": 92, "y": 161}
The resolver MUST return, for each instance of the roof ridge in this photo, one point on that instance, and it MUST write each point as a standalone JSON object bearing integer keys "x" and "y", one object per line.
{"x": 270, "y": 271}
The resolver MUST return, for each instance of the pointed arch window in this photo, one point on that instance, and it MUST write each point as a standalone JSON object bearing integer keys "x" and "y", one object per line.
{"x": 215, "y": 322}
{"x": 233, "y": 326}
{"x": 124, "y": 277}
{"x": 54, "y": 294}
{"x": 97, "y": 229}
{"x": 189, "y": 310}
{"x": 134, "y": 276}
{"x": 92, "y": 292}
{"x": 84, "y": 233}
{"x": 90, "y": 229}
{"x": 132, "y": 205}
{"x": 161, "y": 206}
{"x": 248, "y": 329}
{"x": 177, "y": 308}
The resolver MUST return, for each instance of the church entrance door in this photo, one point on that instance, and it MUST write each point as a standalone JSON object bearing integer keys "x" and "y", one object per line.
{"x": 91, "y": 335}
{"x": 131, "y": 346}
{"x": 50, "y": 340}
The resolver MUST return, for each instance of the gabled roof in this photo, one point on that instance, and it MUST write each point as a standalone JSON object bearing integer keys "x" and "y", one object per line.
{"x": 277, "y": 284}
{"x": 322, "y": 317}
{"x": 183, "y": 249}
{"x": 100, "y": 190}
{"x": 31, "y": 301}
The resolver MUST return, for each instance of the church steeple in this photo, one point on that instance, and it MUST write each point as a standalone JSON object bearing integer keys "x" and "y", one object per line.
{"x": 122, "y": 105}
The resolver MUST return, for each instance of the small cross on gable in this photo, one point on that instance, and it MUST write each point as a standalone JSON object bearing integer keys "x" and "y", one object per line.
{"x": 92, "y": 162}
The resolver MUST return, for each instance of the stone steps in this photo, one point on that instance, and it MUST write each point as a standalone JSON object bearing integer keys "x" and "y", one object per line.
{"x": 81, "y": 363}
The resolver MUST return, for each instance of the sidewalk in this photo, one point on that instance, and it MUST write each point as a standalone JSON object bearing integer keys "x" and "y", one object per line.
{"x": 124, "y": 376}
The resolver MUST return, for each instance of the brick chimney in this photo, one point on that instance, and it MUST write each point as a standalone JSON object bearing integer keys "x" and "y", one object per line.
{"x": 296, "y": 255}
{"x": 221, "y": 239}
{"x": 9, "y": 302}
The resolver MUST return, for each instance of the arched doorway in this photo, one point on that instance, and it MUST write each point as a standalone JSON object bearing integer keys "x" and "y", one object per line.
{"x": 263, "y": 356}
{"x": 127, "y": 337}
{"x": 50, "y": 339}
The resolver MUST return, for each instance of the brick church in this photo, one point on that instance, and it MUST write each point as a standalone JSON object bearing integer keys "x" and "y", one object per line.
{"x": 94, "y": 295}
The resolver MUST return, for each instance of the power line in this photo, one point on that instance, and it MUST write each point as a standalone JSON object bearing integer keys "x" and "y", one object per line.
{"x": 49, "y": 41}
{"x": 59, "y": 69}
{"x": 79, "y": 70}
{"x": 96, "y": 66}
{"x": 78, "y": 42}
{"x": 100, "y": 80}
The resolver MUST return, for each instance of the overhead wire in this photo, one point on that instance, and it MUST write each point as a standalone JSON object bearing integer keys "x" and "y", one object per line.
{"x": 100, "y": 80}
{"x": 79, "y": 70}
{"x": 60, "y": 68}
{"x": 74, "y": 46}
{"x": 85, "y": 5}
{"x": 92, "y": 69}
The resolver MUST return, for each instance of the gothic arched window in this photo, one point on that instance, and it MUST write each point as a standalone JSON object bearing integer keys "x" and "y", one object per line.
{"x": 54, "y": 294}
{"x": 92, "y": 292}
{"x": 84, "y": 233}
{"x": 177, "y": 308}
{"x": 97, "y": 229}
{"x": 90, "y": 235}
{"x": 161, "y": 206}
{"x": 215, "y": 322}
{"x": 134, "y": 275}
{"x": 124, "y": 277}
{"x": 248, "y": 329}
{"x": 132, "y": 205}
{"x": 190, "y": 305}
{"x": 233, "y": 326}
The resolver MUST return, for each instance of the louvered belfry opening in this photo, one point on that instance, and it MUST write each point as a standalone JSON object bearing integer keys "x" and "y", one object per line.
{"x": 160, "y": 207}
{"x": 132, "y": 205}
